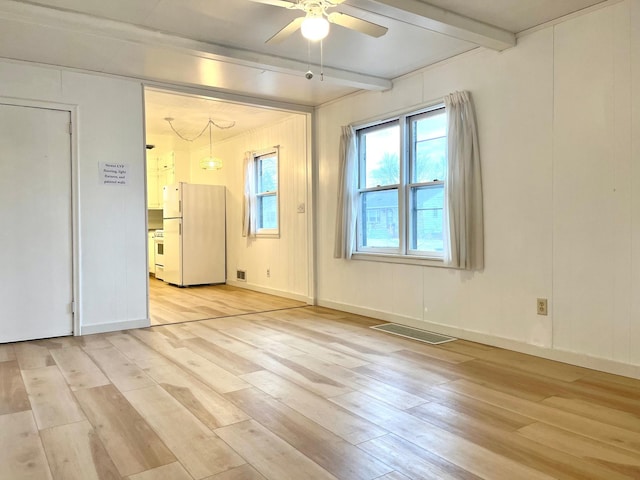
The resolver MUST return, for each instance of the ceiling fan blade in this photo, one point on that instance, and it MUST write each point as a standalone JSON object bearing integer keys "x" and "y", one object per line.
{"x": 335, "y": 2}
{"x": 276, "y": 3}
{"x": 286, "y": 31}
{"x": 357, "y": 24}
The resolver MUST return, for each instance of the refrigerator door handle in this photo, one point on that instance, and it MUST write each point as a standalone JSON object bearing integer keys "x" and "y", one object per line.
{"x": 180, "y": 206}
{"x": 180, "y": 229}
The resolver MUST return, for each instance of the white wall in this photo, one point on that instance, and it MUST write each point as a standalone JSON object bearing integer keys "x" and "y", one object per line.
{"x": 111, "y": 264}
{"x": 287, "y": 257}
{"x": 559, "y": 128}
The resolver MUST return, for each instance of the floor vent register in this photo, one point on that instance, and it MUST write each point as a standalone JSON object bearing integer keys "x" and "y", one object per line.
{"x": 414, "y": 333}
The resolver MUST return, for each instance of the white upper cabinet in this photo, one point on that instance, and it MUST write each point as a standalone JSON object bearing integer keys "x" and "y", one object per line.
{"x": 161, "y": 171}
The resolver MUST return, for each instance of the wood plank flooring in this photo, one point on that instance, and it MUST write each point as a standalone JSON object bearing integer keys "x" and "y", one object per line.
{"x": 169, "y": 304}
{"x": 304, "y": 393}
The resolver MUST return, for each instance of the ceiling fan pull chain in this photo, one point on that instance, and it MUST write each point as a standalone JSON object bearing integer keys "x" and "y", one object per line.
{"x": 321, "y": 61}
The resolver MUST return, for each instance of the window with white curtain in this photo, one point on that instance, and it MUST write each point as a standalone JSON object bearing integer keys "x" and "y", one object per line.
{"x": 402, "y": 163}
{"x": 266, "y": 193}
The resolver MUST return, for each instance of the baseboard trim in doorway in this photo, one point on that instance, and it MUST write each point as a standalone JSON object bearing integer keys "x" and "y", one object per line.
{"x": 413, "y": 333}
{"x": 113, "y": 326}
{"x": 271, "y": 291}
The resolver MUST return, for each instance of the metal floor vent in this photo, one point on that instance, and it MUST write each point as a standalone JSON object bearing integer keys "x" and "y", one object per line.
{"x": 414, "y": 333}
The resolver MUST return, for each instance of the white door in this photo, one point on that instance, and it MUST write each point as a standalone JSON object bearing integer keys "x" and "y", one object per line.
{"x": 36, "y": 252}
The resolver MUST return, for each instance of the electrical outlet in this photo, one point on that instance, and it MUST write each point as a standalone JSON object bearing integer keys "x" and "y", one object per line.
{"x": 268, "y": 273}
{"x": 542, "y": 306}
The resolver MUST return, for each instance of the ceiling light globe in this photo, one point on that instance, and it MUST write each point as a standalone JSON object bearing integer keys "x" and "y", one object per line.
{"x": 211, "y": 163}
{"x": 315, "y": 28}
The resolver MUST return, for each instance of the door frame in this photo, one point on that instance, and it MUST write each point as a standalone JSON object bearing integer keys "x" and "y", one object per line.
{"x": 311, "y": 164}
{"x": 75, "y": 216}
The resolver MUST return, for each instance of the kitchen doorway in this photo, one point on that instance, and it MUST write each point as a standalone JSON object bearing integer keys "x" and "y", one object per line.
{"x": 262, "y": 274}
{"x": 36, "y": 201}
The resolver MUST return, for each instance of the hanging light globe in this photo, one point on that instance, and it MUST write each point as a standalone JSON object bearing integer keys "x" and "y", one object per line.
{"x": 211, "y": 163}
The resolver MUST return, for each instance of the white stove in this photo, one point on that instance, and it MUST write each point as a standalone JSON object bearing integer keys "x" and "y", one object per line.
{"x": 158, "y": 241}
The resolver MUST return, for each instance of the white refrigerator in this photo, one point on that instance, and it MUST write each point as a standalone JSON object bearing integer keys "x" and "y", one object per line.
{"x": 194, "y": 234}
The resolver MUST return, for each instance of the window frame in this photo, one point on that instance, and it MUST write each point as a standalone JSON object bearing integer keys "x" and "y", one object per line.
{"x": 259, "y": 195}
{"x": 406, "y": 196}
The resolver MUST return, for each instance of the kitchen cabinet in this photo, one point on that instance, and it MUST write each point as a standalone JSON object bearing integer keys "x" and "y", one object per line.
{"x": 161, "y": 171}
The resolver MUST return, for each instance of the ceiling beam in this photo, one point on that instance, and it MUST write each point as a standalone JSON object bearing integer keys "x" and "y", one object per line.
{"x": 436, "y": 19}
{"x": 89, "y": 25}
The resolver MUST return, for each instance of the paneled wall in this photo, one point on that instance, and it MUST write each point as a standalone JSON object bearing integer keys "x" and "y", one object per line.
{"x": 559, "y": 128}
{"x": 287, "y": 258}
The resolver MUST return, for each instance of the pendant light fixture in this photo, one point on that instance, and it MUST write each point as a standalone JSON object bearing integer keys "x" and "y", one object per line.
{"x": 210, "y": 162}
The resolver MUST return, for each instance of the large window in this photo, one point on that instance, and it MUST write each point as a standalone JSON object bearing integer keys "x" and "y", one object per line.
{"x": 267, "y": 193}
{"x": 402, "y": 165}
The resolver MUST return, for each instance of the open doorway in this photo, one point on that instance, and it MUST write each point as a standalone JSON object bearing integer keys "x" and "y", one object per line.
{"x": 266, "y": 272}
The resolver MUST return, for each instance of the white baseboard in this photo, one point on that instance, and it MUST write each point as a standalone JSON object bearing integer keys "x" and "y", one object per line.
{"x": 573, "y": 358}
{"x": 271, "y": 291}
{"x": 113, "y": 326}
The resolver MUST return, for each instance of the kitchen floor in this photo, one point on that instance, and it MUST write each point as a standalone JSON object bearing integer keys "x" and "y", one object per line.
{"x": 169, "y": 304}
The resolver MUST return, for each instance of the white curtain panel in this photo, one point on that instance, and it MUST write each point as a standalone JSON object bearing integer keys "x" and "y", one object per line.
{"x": 463, "y": 217}
{"x": 249, "y": 206}
{"x": 347, "y": 195}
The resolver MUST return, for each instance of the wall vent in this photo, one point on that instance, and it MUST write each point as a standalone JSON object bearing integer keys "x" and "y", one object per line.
{"x": 241, "y": 275}
{"x": 414, "y": 333}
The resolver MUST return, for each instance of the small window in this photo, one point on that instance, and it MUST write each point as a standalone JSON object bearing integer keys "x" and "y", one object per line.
{"x": 267, "y": 193}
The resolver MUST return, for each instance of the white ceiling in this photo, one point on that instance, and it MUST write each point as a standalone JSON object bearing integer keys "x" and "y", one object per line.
{"x": 219, "y": 45}
{"x": 191, "y": 115}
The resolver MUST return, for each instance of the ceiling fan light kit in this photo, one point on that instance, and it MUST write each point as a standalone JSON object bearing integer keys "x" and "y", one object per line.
{"x": 314, "y": 27}
{"x": 315, "y": 24}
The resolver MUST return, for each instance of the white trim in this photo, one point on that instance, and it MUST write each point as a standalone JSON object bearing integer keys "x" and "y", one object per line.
{"x": 222, "y": 95}
{"x": 442, "y": 21}
{"x": 146, "y": 200}
{"x": 271, "y": 291}
{"x": 266, "y": 151}
{"x": 398, "y": 258}
{"x": 564, "y": 356}
{"x": 114, "y": 326}
{"x": 312, "y": 180}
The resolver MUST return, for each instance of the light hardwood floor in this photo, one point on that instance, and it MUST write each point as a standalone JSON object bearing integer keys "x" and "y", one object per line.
{"x": 305, "y": 393}
{"x": 170, "y": 304}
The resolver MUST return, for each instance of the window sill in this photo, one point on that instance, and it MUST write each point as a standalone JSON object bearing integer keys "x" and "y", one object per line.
{"x": 267, "y": 235}
{"x": 404, "y": 259}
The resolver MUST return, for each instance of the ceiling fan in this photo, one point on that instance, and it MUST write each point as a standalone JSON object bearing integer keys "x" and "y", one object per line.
{"x": 315, "y": 23}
